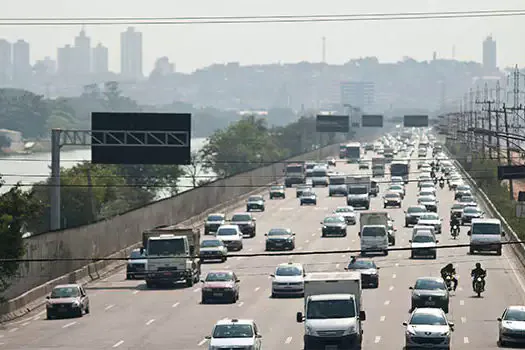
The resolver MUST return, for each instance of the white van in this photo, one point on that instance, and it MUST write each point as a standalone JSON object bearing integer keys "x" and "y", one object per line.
{"x": 485, "y": 235}
{"x": 374, "y": 238}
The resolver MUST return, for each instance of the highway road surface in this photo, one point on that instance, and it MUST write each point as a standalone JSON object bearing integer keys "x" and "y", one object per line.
{"x": 125, "y": 315}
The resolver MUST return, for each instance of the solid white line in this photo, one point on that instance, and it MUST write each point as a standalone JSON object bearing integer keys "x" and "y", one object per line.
{"x": 514, "y": 271}
{"x": 175, "y": 305}
{"x": 337, "y": 266}
{"x": 299, "y": 248}
{"x": 387, "y": 302}
{"x": 241, "y": 304}
{"x": 119, "y": 343}
{"x": 462, "y": 302}
{"x": 109, "y": 307}
{"x": 40, "y": 313}
{"x": 382, "y": 319}
{"x": 69, "y": 325}
{"x": 250, "y": 249}
{"x": 307, "y": 241}
{"x": 150, "y": 322}
{"x": 202, "y": 342}
{"x": 12, "y": 330}
{"x": 465, "y": 340}
{"x": 288, "y": 340}
{"x": 394, "y": 275}
{"x": 136, "y": 292}
{"x": 377, "y": 339}
{"x": 26, "y": 323}
{"x": 391, "y": 288}
{"x": 256, "y": 289}
{"x": 463, "y": 320}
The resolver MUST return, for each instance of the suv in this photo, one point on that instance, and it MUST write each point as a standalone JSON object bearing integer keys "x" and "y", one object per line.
{"x": 246, "y": 223}
{"x": 255, "y": 203}
{"x": 235, "y": 333}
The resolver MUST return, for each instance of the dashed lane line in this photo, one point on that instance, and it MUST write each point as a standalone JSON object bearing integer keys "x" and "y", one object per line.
{"x": 26, "y": 323}
{"x": 251, "y": 249}
{"x": 299, "y": 248}
{"x": 394, "y": 275}
{"x": 307, "y": 241}
{"x": 109, "y": 307}
{"x": 227, "y": 267}
{"x": 196, "y": 290}
{"x": 202, "y": 342}
{"x": 240, "y": 304}
{"x": 288, "y": 340}
{"x": 69, "y": 325}
{"x": 465, "y": 340}
{"x": 313, "y": 234}
{"x": 12, "y": 330}
{"x": 256, "y": 289}
{"x": 382, "y": 319}
{"x": 337, "y": 266}
{"x": 136, "y": 292}
{"x": 397, "y": 264}
{"x": 150, "y": 322}
{"x": 175, "y": 305}
{"x": 391, "y": 288}
{"x": 463, "y": 320}
{"x": 117, "y": 344}
{"x": 462, "y": 302}
{"x": 387, "y": 302}
{"x": 377, "y": 339}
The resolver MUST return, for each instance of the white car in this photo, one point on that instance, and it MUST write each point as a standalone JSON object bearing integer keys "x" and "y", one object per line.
{"x": 288, "y": 279}
{"x": 348, "y": 213}
{"x": 398, "y": 180}
{"x": 431, "y": 219}
{"x": 423, "y": 244}
{"x": 397, "y": 188}
{"x": 235, "y": 334}
{"x": 512, "y": 325}
{"x": 231, "y": 236}
{"x": 428, "y": 328}
{"x": 427, "y": 191}
{"x": 213, "y": 249}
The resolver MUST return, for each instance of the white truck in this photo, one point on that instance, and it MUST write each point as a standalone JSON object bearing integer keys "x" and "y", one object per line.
{"x": 294, "y": 174}
{"x": 373, "y": 232}
{"x": 172, "y": 255}
{"x": 486, "y": 235}
{"x": 358, "y": 191}
{"x": 333, "y": 311}
{"x": 378, "y": 166}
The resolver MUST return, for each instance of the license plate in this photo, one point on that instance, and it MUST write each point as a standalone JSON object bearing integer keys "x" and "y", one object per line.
{"x": 279, "y": 244}
{"x": 217, "y": 294}
{"x": 429, "y": 303}
{"x": 167, "y": 273}
{"x": 331, "y": 347}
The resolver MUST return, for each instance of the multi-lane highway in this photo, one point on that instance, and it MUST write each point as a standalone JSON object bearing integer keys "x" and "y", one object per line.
{"x": 125, "y": 315}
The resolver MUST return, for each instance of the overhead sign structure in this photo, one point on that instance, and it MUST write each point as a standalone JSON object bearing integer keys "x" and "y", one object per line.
{"x": 372, "y": 121}
{"x": 141, "y": 138}
{"x": 511, "y": 172}
{"x": 333, "y": 123}
{"x": 415, "y": 121}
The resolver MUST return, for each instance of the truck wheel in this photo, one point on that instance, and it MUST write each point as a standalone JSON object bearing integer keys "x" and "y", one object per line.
{"x": 149, "y": 284}
{"x": 284, "y": 196}
{"x": 498, "y": 252}
{"x": 271, "y": 197}
{"x": 471, "y": 251}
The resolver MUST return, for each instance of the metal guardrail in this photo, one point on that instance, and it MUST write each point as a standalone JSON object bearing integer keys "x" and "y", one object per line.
{"x": 519, "y": 249}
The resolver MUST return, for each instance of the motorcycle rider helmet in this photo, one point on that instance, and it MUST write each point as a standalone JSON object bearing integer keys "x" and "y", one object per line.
{"x": 478, "y": 265}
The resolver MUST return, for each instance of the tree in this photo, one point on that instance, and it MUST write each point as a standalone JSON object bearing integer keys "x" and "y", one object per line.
{"x": 23, "y": 111}
{"x": 194, "y": 168}
{"x": 17, "y": 208}
{"x": 151, "y": 179}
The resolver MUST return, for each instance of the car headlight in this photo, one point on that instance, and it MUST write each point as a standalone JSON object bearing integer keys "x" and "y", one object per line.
{"x": 76, "y": 304}
{"x": 350, "y": 330}
{"x": 309, "y": 331}
{"x": 324, "y": 226}
{"x": 410, "y": 332}
{"x": 416, "y": 296}
{"x": 445, "y": 334}
{"x": 206, "y": 289}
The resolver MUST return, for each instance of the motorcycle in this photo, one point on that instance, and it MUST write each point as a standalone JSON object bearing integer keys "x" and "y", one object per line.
{"x": 441, "y": 184}
{"x": 479, "y": 285}
{"x": 448, "y": 281}
{"x": 454, "y": 231}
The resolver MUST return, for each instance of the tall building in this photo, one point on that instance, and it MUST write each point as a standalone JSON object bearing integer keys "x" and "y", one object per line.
{"x": 358, "y": 94}
{"x": 5, "y": 62}
{"x": 100, "y": 59}
{"x": 131, "y": 54}
{"x": 83, "y": 53}
{"x": 489, "y": 54}
{"x": 66, "y": 61}
{"x": 22, "y": 69}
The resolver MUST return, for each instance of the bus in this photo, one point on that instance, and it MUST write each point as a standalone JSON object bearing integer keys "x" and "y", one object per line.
{"x": 400, "y": 168}
{"x": 353, "y": 152}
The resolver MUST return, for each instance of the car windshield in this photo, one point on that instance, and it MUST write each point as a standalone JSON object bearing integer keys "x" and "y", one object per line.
{"x": 429, "y": 216}
{"x": 457, "y": 206}
{"x": 136, "y": 254}
{"x": 423, "y": 239}
{"x": 277, "y": 188}
{"x": 427, "y": 184}
{"x": 392, "y": 195}
{"x": 328, "y": 309}
{"x": 515, "y": 315}
{"x": 255, "y": 199}
{"x": 337, "y": 181}
{"x": 463, "y": 188}
{"x": 412, "y": 210}
{"x": 211, "y": 243}
{"x": 233, "y": 331}
{"x": 219, "y": 277}
{"x": 241, "y": 217}
{"x": 426, "y": 199}
{"x": 425, "y": 284}
{"x": 373, "y": 231}
{"x": 319, "y": 173}
{"x": 278, "y": 232}
{"x": 65, "y": 292}
{"x": 428, "y": 319}
{"x": 226, "y": 232}
{"x": 485, "y": 228}
{"x": 361, "y": 265}
{"x": 466, "y": 199}
{"x": 471, "y": 210}
{"x": 396, "y": 188}
{"x": 344, "y": 210}
{"x": 333, "y": 220}
{"x": 166, "y": 247}
{"x": 215, "y": 218}
{"x": 288, "y": 271}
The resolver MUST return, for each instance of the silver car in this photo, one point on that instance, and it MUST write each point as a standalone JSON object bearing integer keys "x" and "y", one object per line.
{"x": 348, "y": 213}
{"x": 512, "y": 326}
{"x": 428, "y": 328}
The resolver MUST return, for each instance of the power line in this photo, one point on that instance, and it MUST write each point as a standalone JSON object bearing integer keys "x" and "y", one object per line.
{"x": 269, "y": 19}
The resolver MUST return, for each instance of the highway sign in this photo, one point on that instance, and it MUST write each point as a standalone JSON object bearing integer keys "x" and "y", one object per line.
{"x": 333, "y": 123}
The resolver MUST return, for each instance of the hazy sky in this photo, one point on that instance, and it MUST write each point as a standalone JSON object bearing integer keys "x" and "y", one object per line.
{"x": 195, "y": 46}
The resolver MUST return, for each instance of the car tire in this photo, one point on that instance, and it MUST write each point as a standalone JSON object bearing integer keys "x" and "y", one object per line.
{"x": 149, "y": 284}
{"x": 80, "y": 312}
{"x": 274, "y": 295}
{"x": 472, "y": 251}
{"x": 189, "y": 282}
{"x": 129, "y": 276}
{"x": 263, "y": 209}
{"x": 445, "y": 309}
{"x": 301, "y": 203}
{"x": 203, "y": 300}
{"x": 498, "y": 252}
{"x": 48, "y": 316}
{"x": 224, "y": 258}
{"x": 393, "y": 242}
{"x": 271, "y": 197}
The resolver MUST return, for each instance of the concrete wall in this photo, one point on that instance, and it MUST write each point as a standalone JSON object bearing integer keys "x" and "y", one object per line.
{"x": 105, "y": 238}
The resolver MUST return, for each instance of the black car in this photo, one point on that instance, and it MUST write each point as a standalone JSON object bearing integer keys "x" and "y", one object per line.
{"x": 459, "y": 194}
{"x": 470, "y": 213}
{"x": 213, "y": 222}
{"x": 308, "y": 198}
{"x": 413, "y": 213}
{"x": 430, "y": 292}
{"x": 277, "y": 192}
{"x": 333, "y": 225}
{"x": 246, "y": 223}
{"x": 369, "y": 272}
{"x": 255, "y": 203}
{"x": 280, "y": 239}
{"x": 136, "y": 267}
{"x": 300, "y": 189}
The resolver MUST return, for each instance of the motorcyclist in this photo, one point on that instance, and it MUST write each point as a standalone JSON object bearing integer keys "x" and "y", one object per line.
{"x": 450, "y": 270}
{"x": 454, "y": 221}
{"x": 441, "y": 179}
{"x": 478, "y": 272}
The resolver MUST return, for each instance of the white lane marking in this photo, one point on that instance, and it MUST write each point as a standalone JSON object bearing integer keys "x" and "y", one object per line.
{"x": 397, "y": 264}
{"x": 299, "y": 248}
{"x": 307, "y": 241}
{"x": 196, "y": 290}
{"x": 460, "y": 289}
{"x": 463, "y": 320}
{"x": 377, "y": 339}
{"x": 337, "y": 266}
{"x": 399, "y": 255}
{"x": 250, "y": 249}
{"x": 514, "y": 271}
{"x": 238, "y": 258}
{"x": 343, "y": 256}
{"x": 288, "y": 340}
{"x": 394, "y": 275}
{"x": 40, "y": 314}
{"x": 353, "y": 240}
{"x": 391, "y": 288}
{"x": 136, "y": 292}
{"x": 241, "y": 304}
{"x": 150, "y": 322}
{"x": 462, "y": 302}
{"x": 382, "y": 319}
{"x": 256, "y": 289}
{"x": 69, "y": 325}
{"x": 202, "y": 342}
{"x": 109, "y": 307}
{"x": 119, "y": 343}
{"x": 465, "y": 340}
{"x": 12, "y": 330}
{"x": 26, "y": 323}
{"x": 286, "y": 208}
{"x": 313, "y": 234}
{"x": 227, "y": 267}
{"x": 387, "y": 302}
{"x": 175, "y": 305}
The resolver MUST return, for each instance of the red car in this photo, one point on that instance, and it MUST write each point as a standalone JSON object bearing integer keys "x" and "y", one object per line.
{"x": 220, "y": 285}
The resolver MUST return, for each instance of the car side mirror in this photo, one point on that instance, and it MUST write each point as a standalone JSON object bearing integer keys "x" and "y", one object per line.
{"x": 411, "y": 288}
{"x": 272, "y": 275}
{"x": 451, "y": 324}
{"x": 266, "y": 234}
{"x": 359, "y": 233}
{"x": 405, "y": 324}
{"x": 437, "y": 241}
{"x": 202, "y": 281}
{"x": 299, "y": 317}
{"x": 499, "y": 319}
{"x": 469, "y": 233}
{"x": 48, "y": 297}
{"x": 346, "y": 268}
{"x": 378, "y": 268}
{"x": 258, "y": 336}
{"x": 237, "y": 280}
{"x": 321, "y": 222}
{"x": 409, "y": 241}
{"x": 362, "y": 315}
{"x": 293, "y": 234}
{"x": 254, "y": 219}
{"x": 207, "y": 337}
{"x": 503, "y": 233}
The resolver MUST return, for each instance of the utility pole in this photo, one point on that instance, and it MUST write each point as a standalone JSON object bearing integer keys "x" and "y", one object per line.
{"x": 498, "y": 102}
{"x": 509, "y": 160}
{"x": 488, "y": 102}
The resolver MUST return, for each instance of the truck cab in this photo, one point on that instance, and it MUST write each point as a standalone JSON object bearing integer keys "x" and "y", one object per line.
{"x": 374, "y": 239}
{"x": 486, "y": 235}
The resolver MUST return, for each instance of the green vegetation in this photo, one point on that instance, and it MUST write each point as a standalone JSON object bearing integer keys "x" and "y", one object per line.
{"x": 17, "y": 209}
